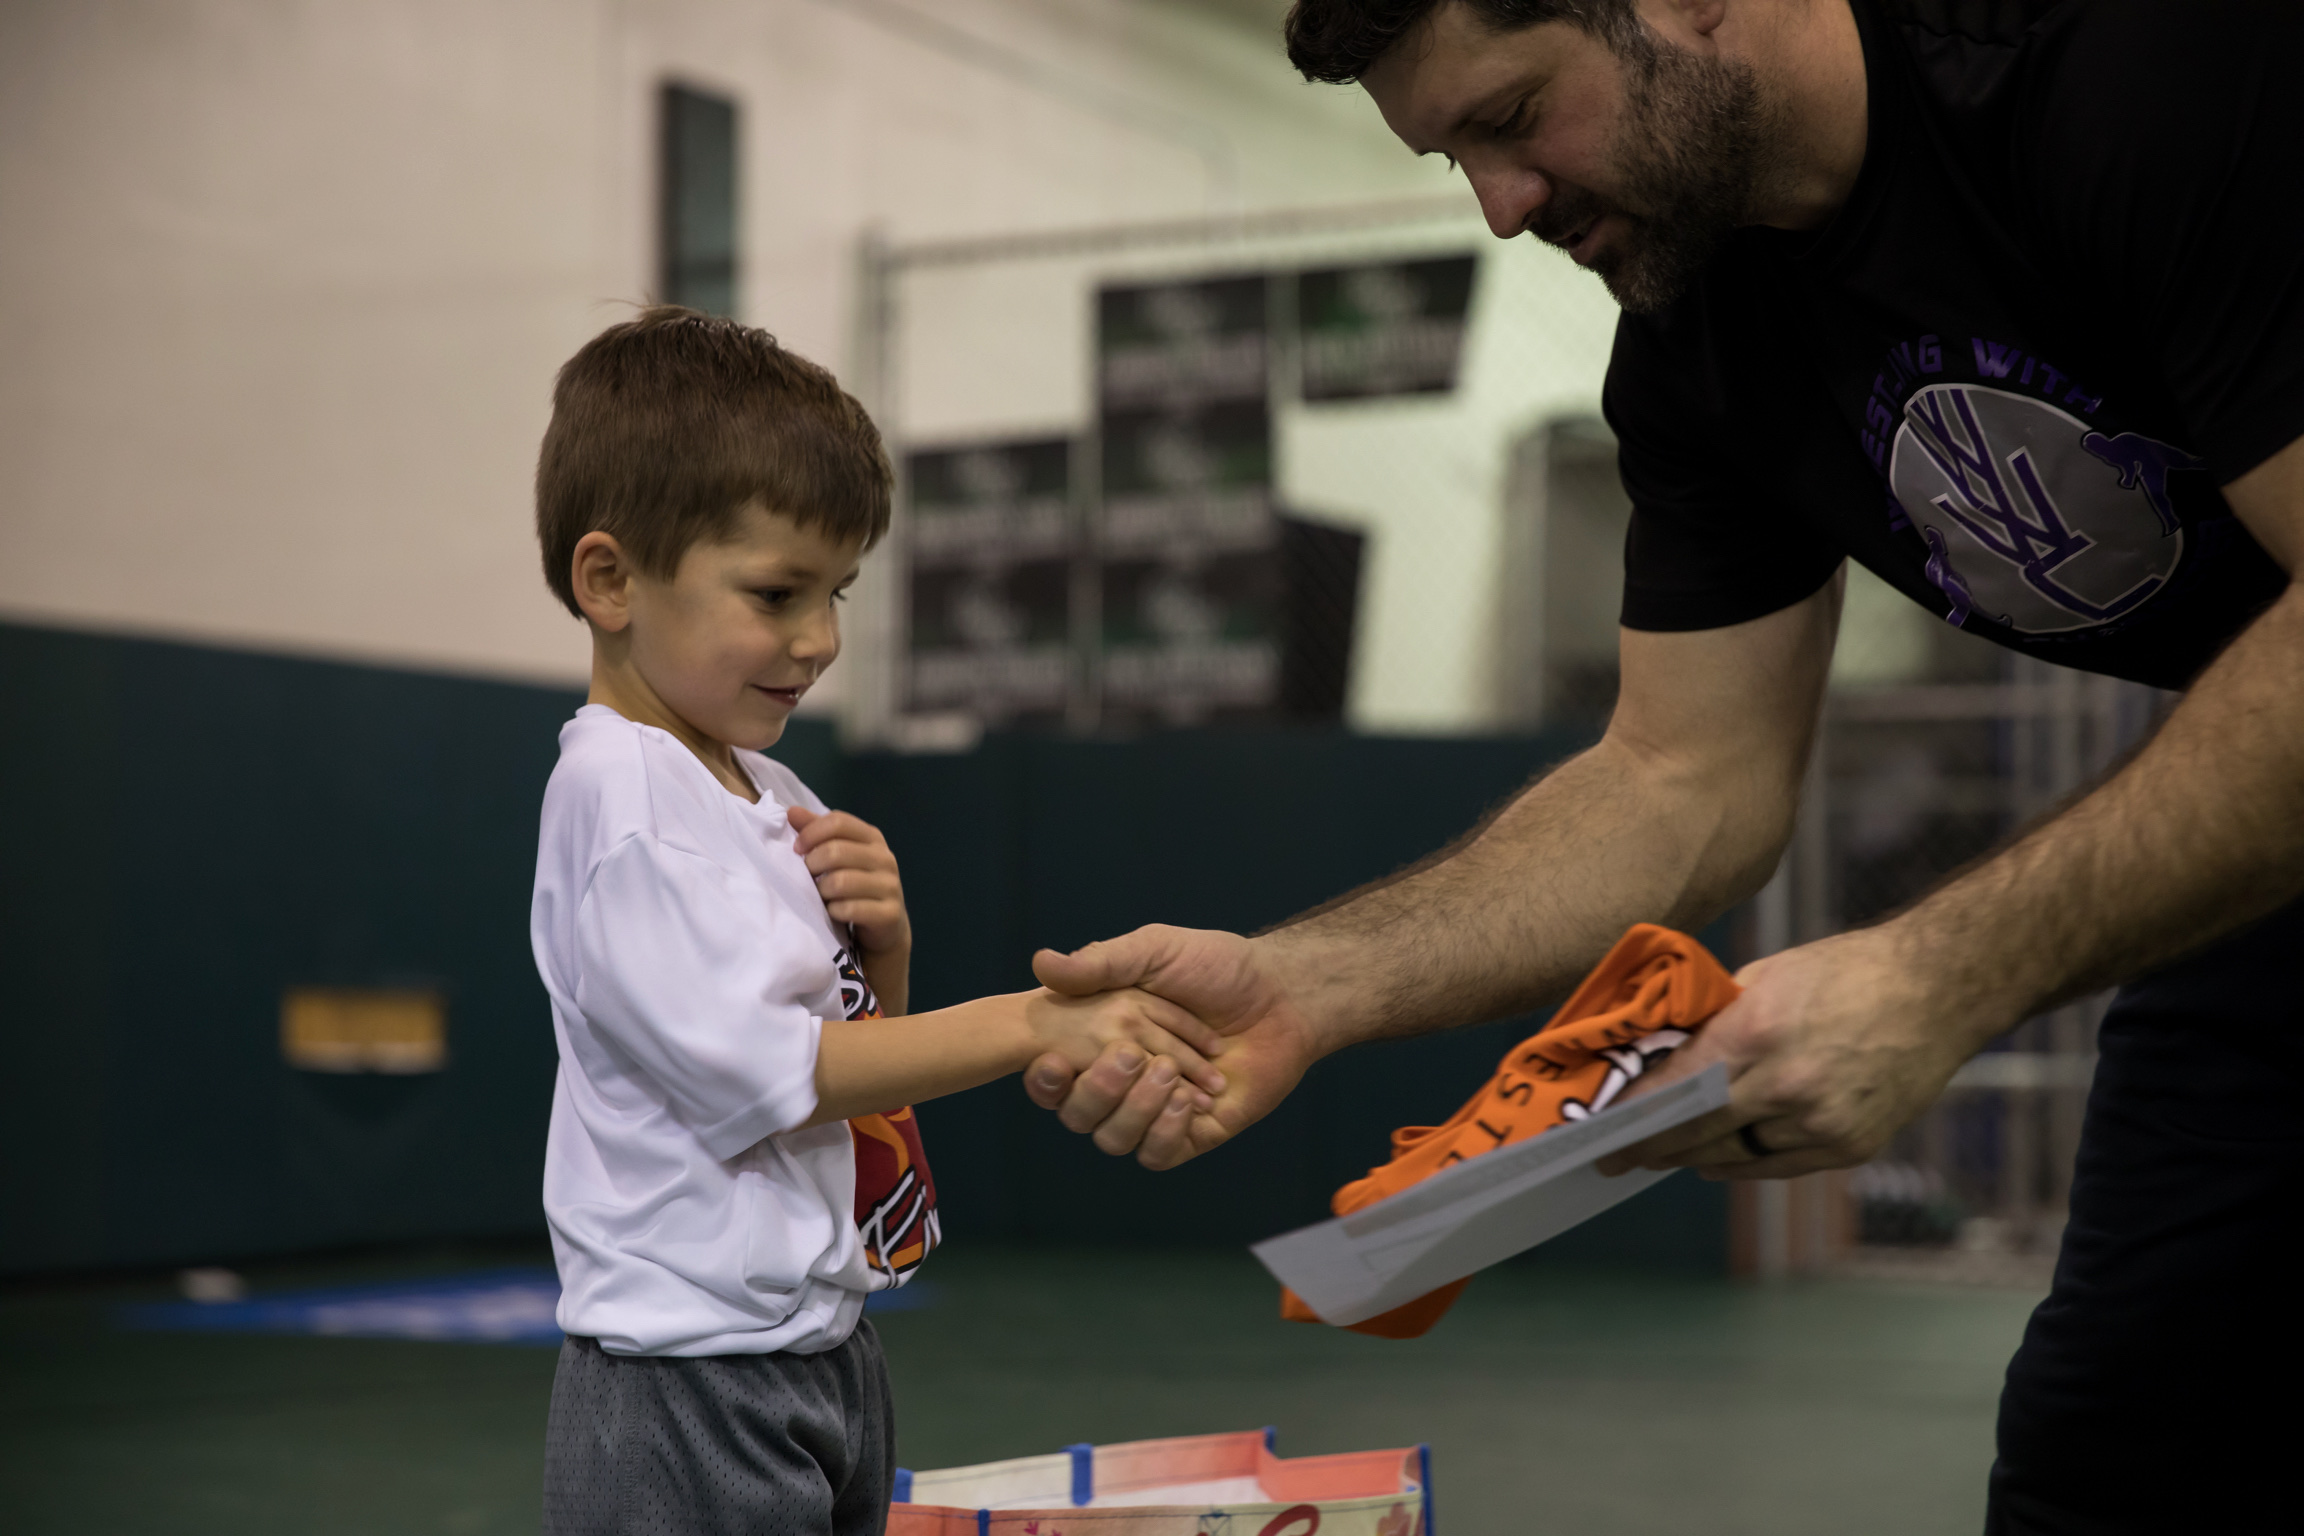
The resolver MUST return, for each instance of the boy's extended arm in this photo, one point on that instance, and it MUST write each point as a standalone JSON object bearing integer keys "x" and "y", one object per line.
{"x": 872, "y": 1066}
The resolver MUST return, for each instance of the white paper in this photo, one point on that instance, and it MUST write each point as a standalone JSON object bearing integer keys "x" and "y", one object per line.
{"x": 1480, "y": 1211}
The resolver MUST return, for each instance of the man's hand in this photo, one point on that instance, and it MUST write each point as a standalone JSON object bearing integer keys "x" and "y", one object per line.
{"x": 1229, "y": 983}
{"x": 1082, "y": 1031}
{"x": 1833, "y": 1047}
{"x": 856, "y": 875}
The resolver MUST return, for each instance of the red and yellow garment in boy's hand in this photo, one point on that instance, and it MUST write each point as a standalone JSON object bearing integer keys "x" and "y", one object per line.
{"x": 1653, "y": 989}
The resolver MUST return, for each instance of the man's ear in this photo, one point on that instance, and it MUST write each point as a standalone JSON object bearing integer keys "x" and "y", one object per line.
{"x": 1701, "y": 18}
{"x": 601, "y": 574}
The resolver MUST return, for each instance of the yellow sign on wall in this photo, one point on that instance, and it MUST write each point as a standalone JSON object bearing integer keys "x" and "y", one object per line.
{"x": 343, "y": 1029}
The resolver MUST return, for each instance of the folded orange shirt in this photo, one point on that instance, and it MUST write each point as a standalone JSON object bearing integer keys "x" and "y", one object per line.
{"x": 1653, "y": 989}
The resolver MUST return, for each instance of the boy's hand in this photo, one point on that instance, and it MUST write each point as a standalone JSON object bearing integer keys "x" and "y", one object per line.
{"x": 1114, "y": 1024}
{"x": 856, "y": 875}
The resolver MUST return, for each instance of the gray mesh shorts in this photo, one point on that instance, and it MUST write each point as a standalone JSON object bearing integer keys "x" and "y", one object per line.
{"x": 730, "y": 1445}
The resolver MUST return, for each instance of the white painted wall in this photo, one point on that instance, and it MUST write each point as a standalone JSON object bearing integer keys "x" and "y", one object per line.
{"x": 1426, "y": 478}
{"x": 280, "y": 290}
{"x": 283, "y": 283}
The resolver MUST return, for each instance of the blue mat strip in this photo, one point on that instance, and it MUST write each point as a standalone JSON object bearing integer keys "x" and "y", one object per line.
{"x": 500, "y": 1306}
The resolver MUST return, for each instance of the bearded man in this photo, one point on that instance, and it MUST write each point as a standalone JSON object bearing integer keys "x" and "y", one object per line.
{"x": 2003, "y": 299}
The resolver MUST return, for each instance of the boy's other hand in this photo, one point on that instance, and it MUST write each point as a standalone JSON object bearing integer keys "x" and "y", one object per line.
{"x": 856, "y": 875}
{"x": 1170, "y": 1046}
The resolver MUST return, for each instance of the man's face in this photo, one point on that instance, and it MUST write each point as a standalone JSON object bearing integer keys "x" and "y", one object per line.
{"x": 743, "y": 627}
{"x": 1637, "y": 159}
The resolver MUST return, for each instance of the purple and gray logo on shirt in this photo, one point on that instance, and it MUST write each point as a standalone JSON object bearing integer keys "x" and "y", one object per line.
{"x": 2032, "y": 517}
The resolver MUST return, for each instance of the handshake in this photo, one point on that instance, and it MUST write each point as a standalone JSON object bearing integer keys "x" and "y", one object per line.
{"x": 1165, "y": 1042}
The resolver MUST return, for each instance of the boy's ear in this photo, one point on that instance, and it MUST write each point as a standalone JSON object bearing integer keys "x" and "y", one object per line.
{"x": 601, "y": 574}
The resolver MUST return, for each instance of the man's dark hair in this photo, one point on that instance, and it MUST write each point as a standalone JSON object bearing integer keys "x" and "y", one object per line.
{"x": 666, "y": 426}
{"x": 1338, "y": 40}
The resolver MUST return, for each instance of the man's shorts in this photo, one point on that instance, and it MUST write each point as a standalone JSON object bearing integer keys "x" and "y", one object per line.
{"x": 719, "y": 1443}
{"x": 2157, "y": 1386}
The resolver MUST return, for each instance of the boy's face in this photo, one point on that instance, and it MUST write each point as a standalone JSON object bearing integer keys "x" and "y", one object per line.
{"x": 743, "y": 627}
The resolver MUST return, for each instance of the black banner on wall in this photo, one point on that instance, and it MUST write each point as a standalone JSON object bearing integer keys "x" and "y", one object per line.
{"x": 1390, "y": 328}
{"x": 1183, "y": 344}
{"x": 1186, "y": 542}
{"x": 993, "y": 540}
{"x": 1187, "y": 476}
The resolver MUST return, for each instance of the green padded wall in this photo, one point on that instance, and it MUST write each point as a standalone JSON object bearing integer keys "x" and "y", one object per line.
{"x": 191, "y": 830}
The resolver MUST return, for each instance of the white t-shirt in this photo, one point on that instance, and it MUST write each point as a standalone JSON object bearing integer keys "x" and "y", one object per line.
{"x": 691, "y": 966}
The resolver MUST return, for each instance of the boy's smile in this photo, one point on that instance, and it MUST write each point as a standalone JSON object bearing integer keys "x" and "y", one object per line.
{"x": 721, "y": 652}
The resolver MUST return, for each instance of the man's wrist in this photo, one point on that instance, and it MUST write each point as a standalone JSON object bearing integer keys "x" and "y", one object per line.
{"x": 1949, "y": 982}
{"x": 1305, "y": 978}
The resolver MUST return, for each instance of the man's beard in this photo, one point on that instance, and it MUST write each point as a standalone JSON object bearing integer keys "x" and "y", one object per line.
{"x": 1686, "y": 160}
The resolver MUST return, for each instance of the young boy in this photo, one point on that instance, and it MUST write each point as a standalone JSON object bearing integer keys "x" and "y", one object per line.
{"x": 732, "y": 1166}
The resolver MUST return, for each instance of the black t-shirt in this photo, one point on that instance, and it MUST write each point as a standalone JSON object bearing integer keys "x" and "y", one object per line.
{"x": 2063, "y": 305}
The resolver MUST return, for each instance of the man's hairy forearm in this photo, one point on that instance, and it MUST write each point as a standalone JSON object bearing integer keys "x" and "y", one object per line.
{"x": 1512, "y": 915}
{"x": 2200, "y": 832}
{"x": 1679, "y": 812}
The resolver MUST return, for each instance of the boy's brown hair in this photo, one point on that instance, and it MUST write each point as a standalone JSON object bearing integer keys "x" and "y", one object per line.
{"x": 665, "y": 426}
